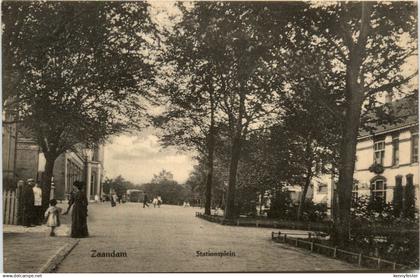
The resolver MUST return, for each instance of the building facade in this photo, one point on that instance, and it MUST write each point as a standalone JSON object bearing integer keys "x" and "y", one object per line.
{"x": 23, "y": 159}
{"x": 385, "y": 157}
{"x": 9, "y": 135}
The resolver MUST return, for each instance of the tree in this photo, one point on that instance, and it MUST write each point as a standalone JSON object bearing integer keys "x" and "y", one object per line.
{"x": 312, "y": 143}
{"x": 80, "y": 81}
{"x": 163, "y": 185}
{"x": 238, "y": 34}
{"x": 198, "y": 178}
{"x": 366, "y": 45}
{"x": 119, "y": 184}
{"x": 262, "y": 168}
{"x": 163, "y": 176}
{"x": 192, "y": 90}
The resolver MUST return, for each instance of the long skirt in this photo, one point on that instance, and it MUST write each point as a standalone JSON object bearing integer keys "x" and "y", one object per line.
{"x": 79, "y": 226}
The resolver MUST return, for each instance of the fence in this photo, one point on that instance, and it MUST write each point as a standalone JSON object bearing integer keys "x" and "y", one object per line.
{"x": 353, "y": 257}
{"x": 10, "y": 207}
{"x": 267, "y": 223}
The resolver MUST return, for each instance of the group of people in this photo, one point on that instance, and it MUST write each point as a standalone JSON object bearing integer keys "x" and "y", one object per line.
{"x": 157, "y": 201}
{"x": 32, "y": 203}
{"x": 32, "y": 211}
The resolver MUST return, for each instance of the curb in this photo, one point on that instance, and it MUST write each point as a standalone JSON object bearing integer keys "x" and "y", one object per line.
{"x": 58, "y": 257}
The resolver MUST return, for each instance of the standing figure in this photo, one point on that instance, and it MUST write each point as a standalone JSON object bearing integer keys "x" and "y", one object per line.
{"x": 159, "y": 201}
{"x": 53, "y": 216}
{"x": 145, "y": 201}
{"x": 28, "y": 203}
{"x": 112, "y": 198}
{"x": 37, "y": 216}
{"x": 154, "y": 202}
{"x": 115, "y": 197}
{"x": 79, "y": 213}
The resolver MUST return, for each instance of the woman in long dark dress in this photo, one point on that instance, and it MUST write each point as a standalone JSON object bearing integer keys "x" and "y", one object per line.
{"x": 28, "y": 204}
{"x": 79, "y": 213}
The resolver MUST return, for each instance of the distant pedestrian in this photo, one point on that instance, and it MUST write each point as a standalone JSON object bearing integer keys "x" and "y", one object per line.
{"x": 28, "y": 203}
{"x": 52, "y": 214}
{"x": 111, "y": 198}
{"x": 159, "y": 201}
{"x": 155, "y": 202}
{"x": 37, "y": 215}
{"x": 145, "y": 204}
{"x": 115, "y": 197}
{"x": 79, "y": 202}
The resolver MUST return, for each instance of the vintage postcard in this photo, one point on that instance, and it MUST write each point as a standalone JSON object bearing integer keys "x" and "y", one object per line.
{"x": 210, "y": 136}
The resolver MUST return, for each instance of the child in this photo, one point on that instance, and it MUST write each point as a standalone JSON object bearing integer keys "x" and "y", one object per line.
{"x": 52, "y": 215}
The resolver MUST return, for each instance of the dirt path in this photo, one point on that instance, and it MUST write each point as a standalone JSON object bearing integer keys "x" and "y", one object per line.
{"x": 168, "y": 239}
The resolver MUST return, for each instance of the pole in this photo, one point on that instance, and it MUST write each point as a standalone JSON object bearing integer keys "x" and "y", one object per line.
{"x": 86, "y": 170}
{"x": 52, "y": 191}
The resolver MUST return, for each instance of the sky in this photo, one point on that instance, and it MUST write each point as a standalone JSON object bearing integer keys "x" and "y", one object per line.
{"x": 137, "y": 157}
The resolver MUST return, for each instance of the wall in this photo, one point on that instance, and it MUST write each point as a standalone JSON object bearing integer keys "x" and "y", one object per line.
{"x": 8, "y": 150}
{"x": 365, "y": 158}
{"x": 27, "y": 155}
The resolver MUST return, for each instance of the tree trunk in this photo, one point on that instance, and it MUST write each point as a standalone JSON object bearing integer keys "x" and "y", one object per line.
{"x": 355, "y": 94}
{"x": 303, "y": 196}
{"x": 347, "y": 163}
{"x": 210, "y": 162}
{"x": 236, "y": 147}
{"x": 233, "y": 169}
{"x": 46, "y": 179}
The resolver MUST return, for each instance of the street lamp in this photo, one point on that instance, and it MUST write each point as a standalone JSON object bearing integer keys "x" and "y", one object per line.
{"x": 87, "y": 154}
{"x": 52, "y": 190}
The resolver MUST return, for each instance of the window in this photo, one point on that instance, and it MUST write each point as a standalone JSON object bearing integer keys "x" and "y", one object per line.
{"x": 395, "y": 151}
{"x": 414, "y": 148}
{"x": 409, "y": 178}
{"x": 398, "y": 195}
{"x": 379, "y": 148}
{"x": 322, "y": 188}
{"x": 378, "y": 189}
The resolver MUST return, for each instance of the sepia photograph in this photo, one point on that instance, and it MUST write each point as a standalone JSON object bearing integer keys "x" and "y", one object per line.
{"x": 210, "y": 137}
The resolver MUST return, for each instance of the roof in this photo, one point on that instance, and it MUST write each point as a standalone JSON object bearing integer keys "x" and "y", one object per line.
{"x": 398, "y": 114}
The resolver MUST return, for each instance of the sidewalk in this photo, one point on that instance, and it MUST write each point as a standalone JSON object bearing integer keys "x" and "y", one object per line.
{"x": 27, "y": 250}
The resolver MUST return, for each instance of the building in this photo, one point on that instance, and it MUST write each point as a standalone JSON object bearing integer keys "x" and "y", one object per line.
{"x": 71, "y": 165}
{"x": 9, "y": 135}
{"x": 385, "y": 157}
{"x": 295, "y": 193}
{"x": 23, "y": 159}
{"x": 389, "y": 156}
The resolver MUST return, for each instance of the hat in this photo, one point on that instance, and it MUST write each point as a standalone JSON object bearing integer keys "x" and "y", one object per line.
{"x": 30, "y": 180}
{"x": 78, "y": 184}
